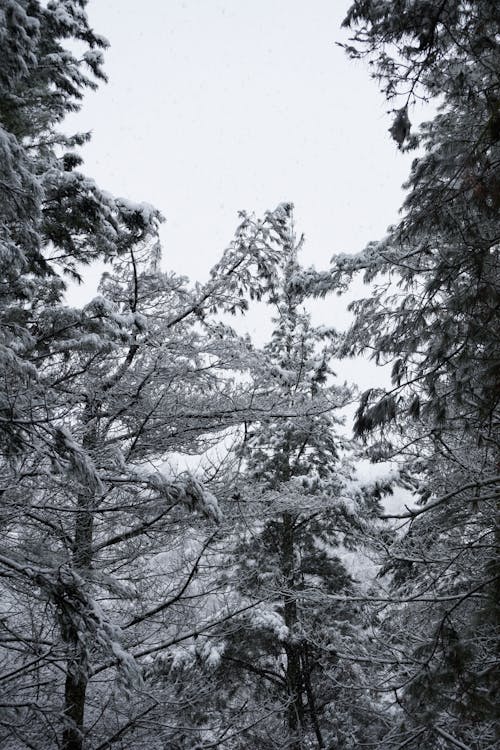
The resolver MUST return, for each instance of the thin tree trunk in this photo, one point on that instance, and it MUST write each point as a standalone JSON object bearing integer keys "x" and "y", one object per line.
{"x": 74, "y": 696}
{"x": 77, "y": 672}
{"x": 310, "y": 696}
{"x": 295, "y": 710}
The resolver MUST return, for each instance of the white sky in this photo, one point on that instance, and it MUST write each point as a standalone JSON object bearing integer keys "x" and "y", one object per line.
{"x": 214, "y": 106}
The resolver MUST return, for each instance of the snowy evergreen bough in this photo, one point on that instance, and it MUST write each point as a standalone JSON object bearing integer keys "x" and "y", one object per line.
{"x": 93, "y": 402}
{"x": 146, "y": 606}
{"x": 283, "y": 676}
{"x": 433, "y": 314}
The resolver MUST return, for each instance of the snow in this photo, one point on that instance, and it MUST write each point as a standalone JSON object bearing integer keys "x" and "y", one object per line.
{"x": 93, "y": 57}
{"x": 212, "y": 653}
{"x": 146, "y": 211}
{"x": 267, "y": 619}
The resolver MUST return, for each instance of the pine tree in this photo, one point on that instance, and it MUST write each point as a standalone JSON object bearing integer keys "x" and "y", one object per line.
{"x": 91, "y": 397}
{"x": 280, "y": 668}
{"x": 434, "y": 316}
{"x": 53, "y": 219}
{"x": 155, "y": 379}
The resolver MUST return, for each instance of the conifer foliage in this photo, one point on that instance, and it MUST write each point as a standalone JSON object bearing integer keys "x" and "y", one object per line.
{"x": 297, "y": 511}
{"x": 144, "y": 606}
{"x": 434, "y": 315}
{"x": 93, "y": 402}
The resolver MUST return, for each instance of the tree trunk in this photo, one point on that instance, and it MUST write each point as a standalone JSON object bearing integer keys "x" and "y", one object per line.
{"x": 295, "y": 710}
{"x": 74, "y": 696}
{"x": 75, "y": 688}
{"x": 306, "y": 671}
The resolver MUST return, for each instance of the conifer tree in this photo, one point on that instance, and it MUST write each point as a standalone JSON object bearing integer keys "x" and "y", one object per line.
{"x": 157, "y": 381}
{"x": 296, "y": 511}
{"x": 433, "y": 314}
{"x": 92, "y": 397}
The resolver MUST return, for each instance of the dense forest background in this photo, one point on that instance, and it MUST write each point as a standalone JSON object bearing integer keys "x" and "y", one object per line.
{"x": 269, "y": 597}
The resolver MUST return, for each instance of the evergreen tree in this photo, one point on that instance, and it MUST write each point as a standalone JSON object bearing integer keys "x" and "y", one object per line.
{"x": 105, "y": 504}
{"x": 94, "y": 400}
{"x": 53, "y": 219}
{"x": 282, "y": 679}
{"x": 434, "y": 316}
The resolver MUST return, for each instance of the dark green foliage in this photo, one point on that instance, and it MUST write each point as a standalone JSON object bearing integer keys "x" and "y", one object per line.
{"x": 435, "y": 317}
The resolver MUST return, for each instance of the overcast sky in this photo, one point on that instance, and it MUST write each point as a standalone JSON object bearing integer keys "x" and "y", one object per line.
{"x": 213, "y": 106}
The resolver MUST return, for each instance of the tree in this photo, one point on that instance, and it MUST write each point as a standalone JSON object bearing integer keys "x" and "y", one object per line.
{"x": 282, "y": 670}
{"x": 53, "y": 218}
{"x": 100, "y": 508}
{"x": 92, "y": 397}
{"x": 434, "y": 316}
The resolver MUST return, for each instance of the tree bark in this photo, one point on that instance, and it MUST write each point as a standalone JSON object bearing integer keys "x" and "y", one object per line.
{"x": 77, "y": 673}
{"x": 306, "y": 671}
{"x": 295, "y": 709}
{"x": 74, "y": 696}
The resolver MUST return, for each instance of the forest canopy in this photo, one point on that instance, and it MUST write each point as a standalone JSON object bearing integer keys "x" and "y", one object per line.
{"x": 267, "y": 598}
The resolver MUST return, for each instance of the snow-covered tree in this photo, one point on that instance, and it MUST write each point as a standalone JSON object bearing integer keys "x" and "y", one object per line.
{"x": 155, "y": 381}
{"x": 94, "y": 400}
{"x": 282, "y": 669}
{"x": 433, "y": 314}
{"x": 53, "y": 219}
